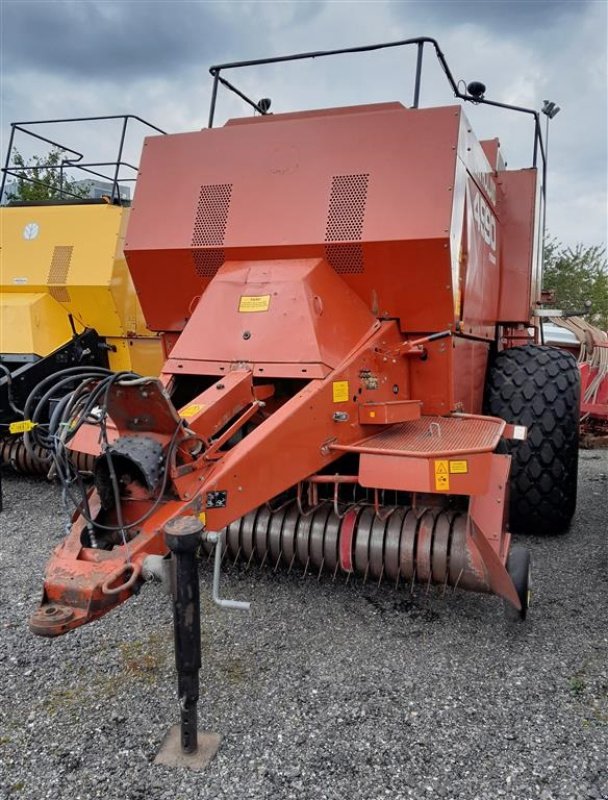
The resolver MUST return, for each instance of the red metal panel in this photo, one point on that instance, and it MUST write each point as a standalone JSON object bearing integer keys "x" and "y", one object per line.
{"x": 470, "y": 364}
{"x": 280, "y": 175}
{"x": 520, "y": 277}
{"x": 431, "y": 378}
{"x": 389, "y": 413}
{"x": 263, "y": 310}
{"x": 407, "y": 474}
{"x": 481, "y": 283}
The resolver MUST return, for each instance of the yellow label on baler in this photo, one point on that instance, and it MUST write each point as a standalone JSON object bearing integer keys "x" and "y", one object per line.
{"x": 23, "y": 426}
{"x": 202, "y": 517}
{"x": 191, "y": 411}
{"x": 250, "y": 303}
{"x": 442, "y": 476}
{"x": 459, "y": 467}
{"x": 340, "y": 391}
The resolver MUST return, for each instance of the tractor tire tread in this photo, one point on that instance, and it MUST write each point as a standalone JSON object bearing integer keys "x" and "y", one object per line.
{"x": 539, "y": 387}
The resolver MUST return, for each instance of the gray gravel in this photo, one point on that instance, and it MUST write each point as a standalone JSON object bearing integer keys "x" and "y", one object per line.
{"x": 326, "y": 690}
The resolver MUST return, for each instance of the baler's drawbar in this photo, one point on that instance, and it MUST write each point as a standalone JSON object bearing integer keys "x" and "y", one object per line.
{"x": 332, "y": 288}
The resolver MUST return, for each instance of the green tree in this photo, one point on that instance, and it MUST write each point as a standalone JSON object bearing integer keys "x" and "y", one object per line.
{"x": 578, "y": 274}
{"x": 41, "y": 179}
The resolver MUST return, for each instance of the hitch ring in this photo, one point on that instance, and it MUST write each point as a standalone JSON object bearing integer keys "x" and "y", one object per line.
{"x": 133, "y": 569}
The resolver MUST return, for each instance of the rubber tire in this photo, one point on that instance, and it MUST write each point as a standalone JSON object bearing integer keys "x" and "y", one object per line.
{"x": 538, "y": 387}
{"x": 518, "y": 567}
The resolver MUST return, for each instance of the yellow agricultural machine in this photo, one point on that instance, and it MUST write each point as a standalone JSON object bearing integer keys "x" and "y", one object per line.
{"x": 67, "y": 301}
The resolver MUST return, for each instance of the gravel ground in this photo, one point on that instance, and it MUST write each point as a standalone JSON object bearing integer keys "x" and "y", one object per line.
{"x": 326, "y": 690}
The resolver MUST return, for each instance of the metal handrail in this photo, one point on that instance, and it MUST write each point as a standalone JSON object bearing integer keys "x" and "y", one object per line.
{"x": 420, "y": 43}
{"x": 75, "y": 162}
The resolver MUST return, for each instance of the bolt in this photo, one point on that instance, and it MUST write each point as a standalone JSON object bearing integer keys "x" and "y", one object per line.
{"x": 246, "y": 334}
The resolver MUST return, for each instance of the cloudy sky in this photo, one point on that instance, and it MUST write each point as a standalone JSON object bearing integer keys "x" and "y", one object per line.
{"x": 63, "y": 58}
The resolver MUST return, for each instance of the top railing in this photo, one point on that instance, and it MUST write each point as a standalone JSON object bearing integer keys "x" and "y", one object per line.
{"x": 419, "y": 43}
{"x": 74, "y": 160}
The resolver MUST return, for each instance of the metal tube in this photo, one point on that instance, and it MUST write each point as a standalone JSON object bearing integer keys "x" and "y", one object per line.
{"x": 333, "y": 479}
{"x": 216, "y": 81}
{"x": 241, "y": 605}
{"x": 418, "y": 78}
{"x": 17, "y": 126}
{"x": 7, "y": 162}
{"x": 419, "y": 41}
{"x": 183, "y": 536}
{"x": 87, "y": 119}
{"x": 123, "y": 133}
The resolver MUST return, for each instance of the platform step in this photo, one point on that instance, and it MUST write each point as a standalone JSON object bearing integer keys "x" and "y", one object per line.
{"x": 433, "y": 436}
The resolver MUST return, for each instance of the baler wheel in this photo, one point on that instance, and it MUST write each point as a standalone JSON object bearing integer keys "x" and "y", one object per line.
{"x": 539, "y": 387}
{"x": 518, "y": 567}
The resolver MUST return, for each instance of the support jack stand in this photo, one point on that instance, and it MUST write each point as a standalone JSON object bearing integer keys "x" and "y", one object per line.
{"x": 184, "y": 745}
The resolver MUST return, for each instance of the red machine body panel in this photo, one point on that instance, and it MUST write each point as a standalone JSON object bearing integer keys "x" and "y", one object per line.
{"x": 378, "y": 191}
{"x": 520, "y": 274}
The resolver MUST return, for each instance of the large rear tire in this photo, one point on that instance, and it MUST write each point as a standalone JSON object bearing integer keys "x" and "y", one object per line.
{"x": 538, "y": 387}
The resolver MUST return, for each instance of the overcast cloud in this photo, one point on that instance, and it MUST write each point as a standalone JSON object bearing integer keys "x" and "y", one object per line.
{"x": 64, "y": 58}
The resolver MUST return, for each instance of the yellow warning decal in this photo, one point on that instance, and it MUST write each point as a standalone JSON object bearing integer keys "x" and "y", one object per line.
{"x": 191, "y": 411}
{"x": 249, "y": 303}
{"x": 202, "y": 517}
{"x": 442, "y": 476}
{"x": 340, "y": 391}
{"x": 23, "y": 426}
{"x": 459, "y": 467}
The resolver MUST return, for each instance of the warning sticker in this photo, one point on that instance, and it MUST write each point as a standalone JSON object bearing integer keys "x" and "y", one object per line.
{"x": 442, "y": 476}
{"x": 340, "y": 391}
{"x": 23, "y": 426}
{"x": 459, "y": 467}
{"x": 191, "y": 411}
{"x": 251, "y": 303}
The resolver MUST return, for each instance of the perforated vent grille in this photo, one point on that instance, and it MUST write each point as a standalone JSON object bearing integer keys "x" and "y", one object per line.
{"x": 60, "y": 293}
{"x": 210, "y": 228}
{"x": 212, "y": 215}
{"x": 207, "y": 262}
{"x": 345, "y": 258}
{"x": 60, "y": 264}
{"x": 58, "y": 272}
{"x": 345, "y": 223}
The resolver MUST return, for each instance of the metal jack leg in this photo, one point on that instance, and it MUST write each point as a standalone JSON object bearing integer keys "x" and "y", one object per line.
{"x": 184, "y": 745}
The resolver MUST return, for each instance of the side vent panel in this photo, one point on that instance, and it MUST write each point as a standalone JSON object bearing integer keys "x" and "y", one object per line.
{"x": 345, "y": 223}
{"x": 210, "y": 228}
{"x": 58, "y": 273}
